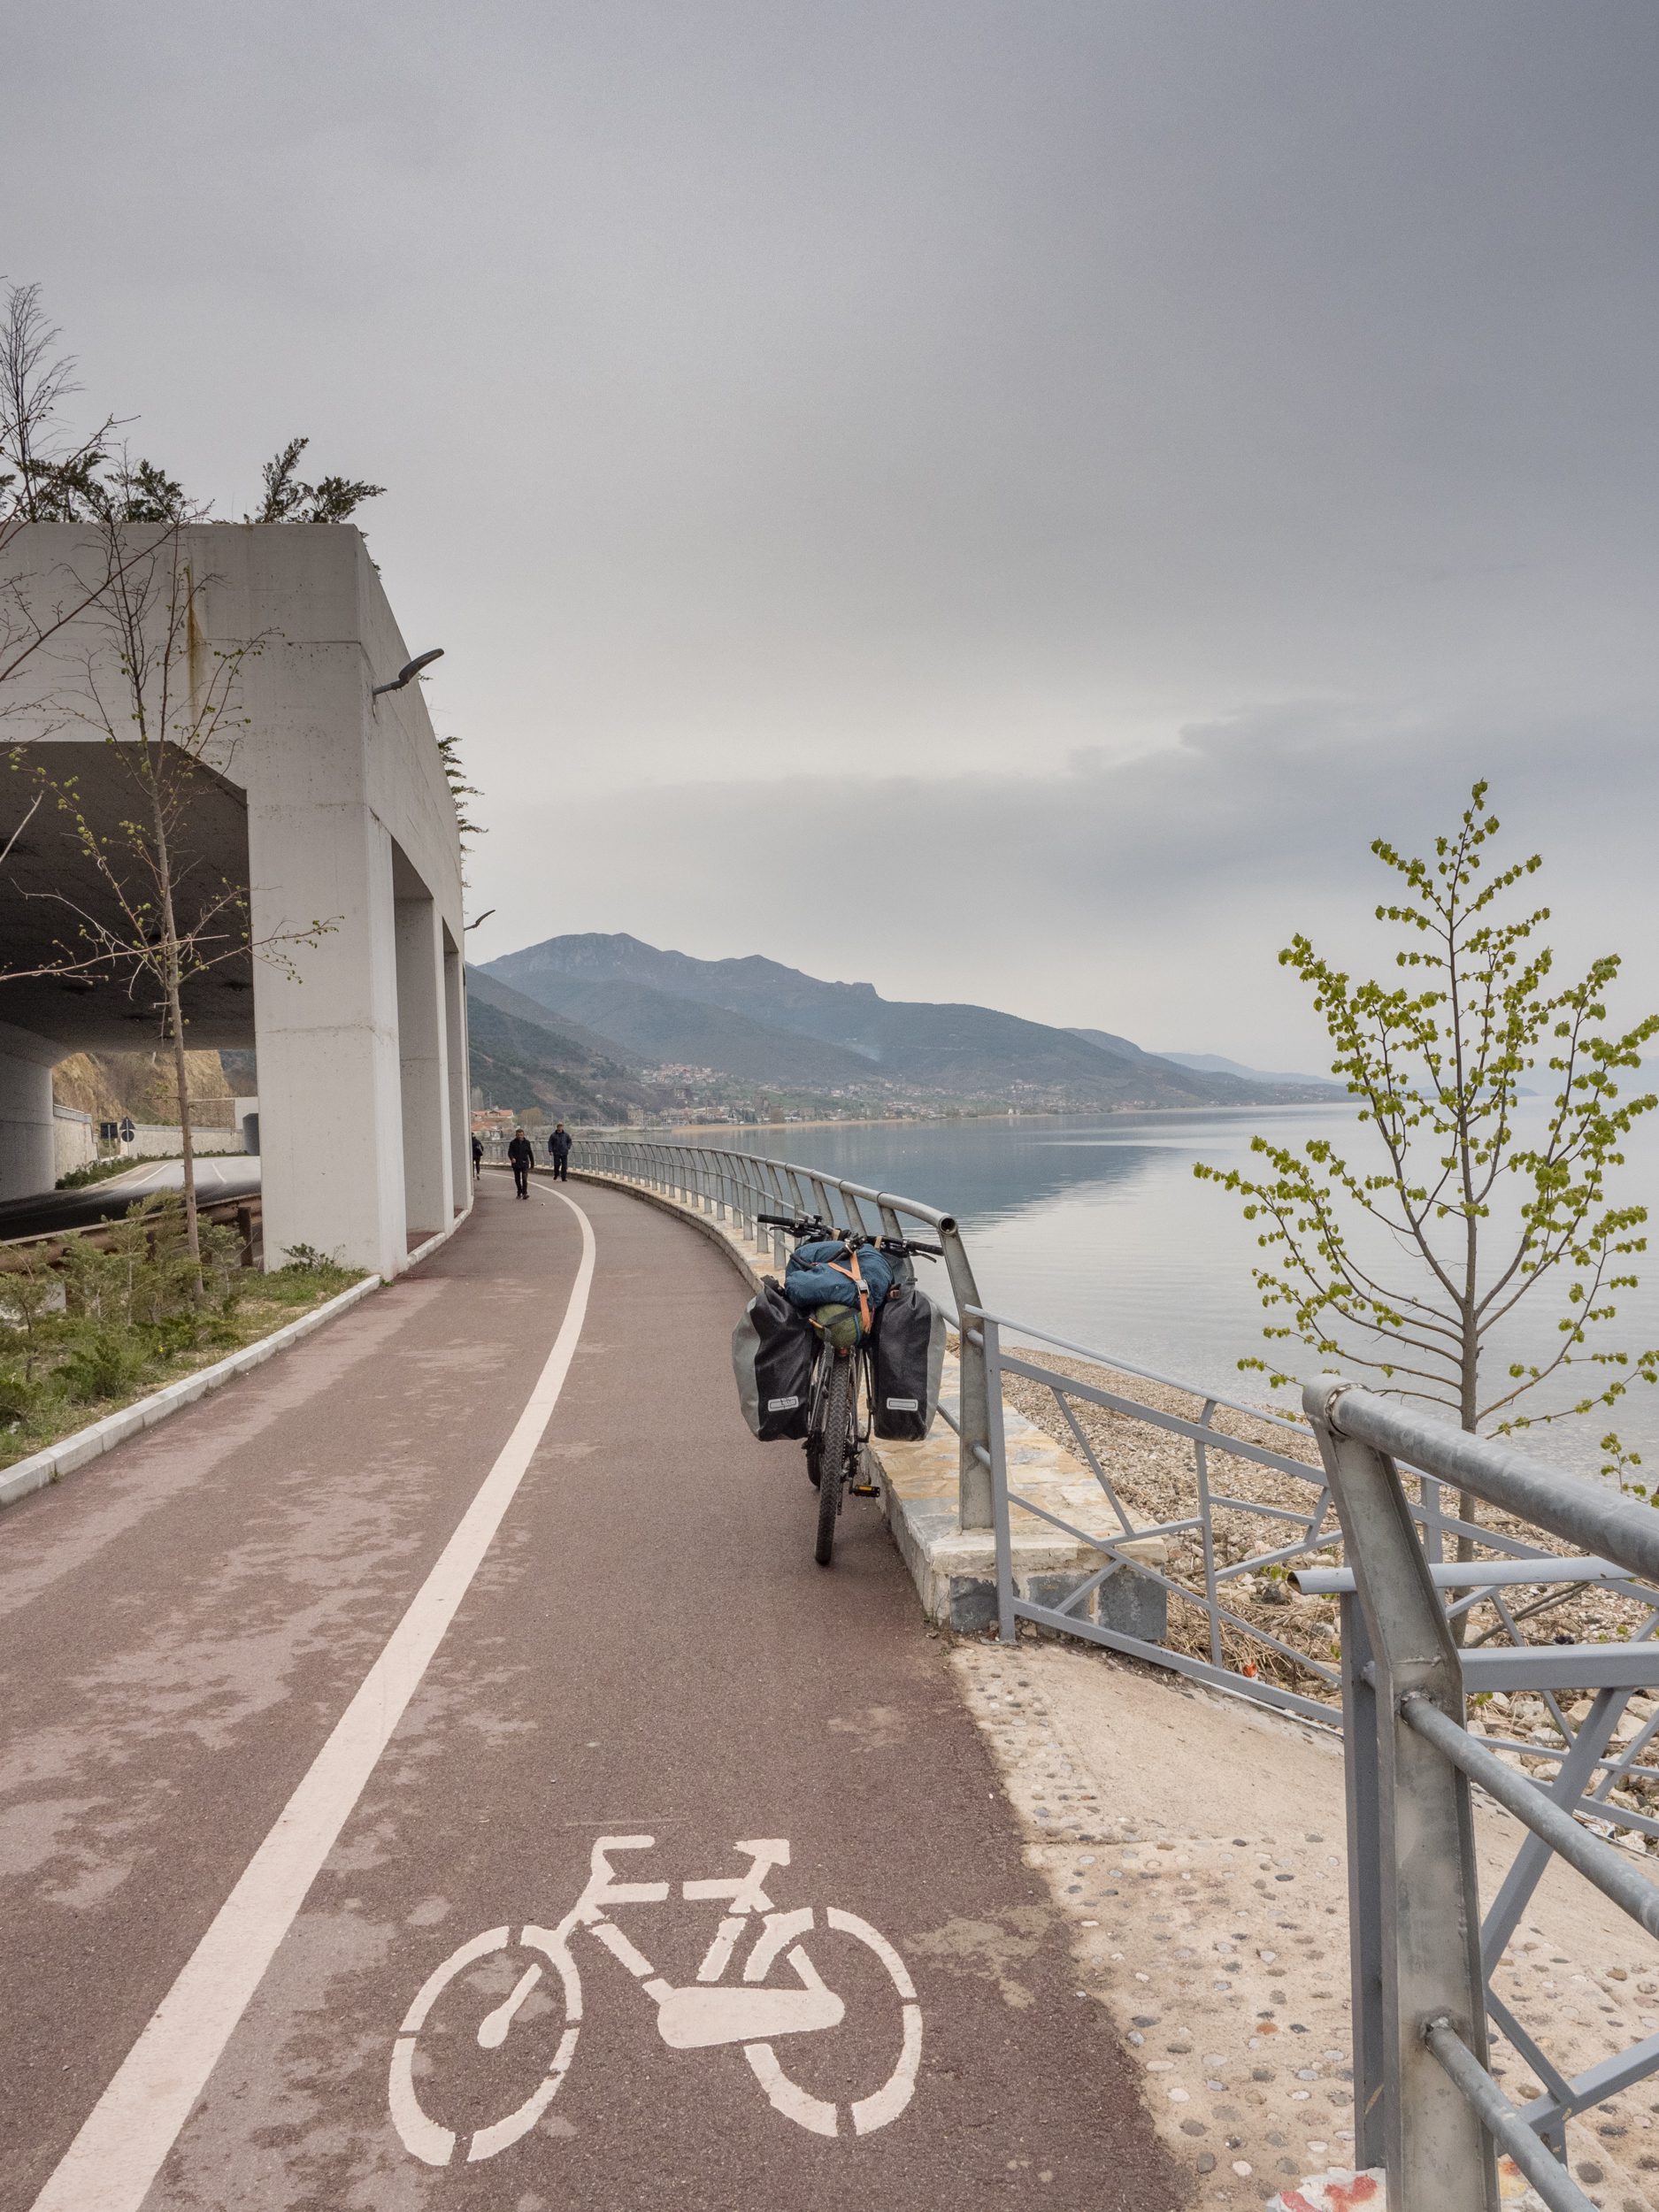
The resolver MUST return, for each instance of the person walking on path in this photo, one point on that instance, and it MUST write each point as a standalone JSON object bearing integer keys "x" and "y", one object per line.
{"x": 560, "y": 1146}
{"x": 522, "y": 1155}
{"x": 477, "y": 1156}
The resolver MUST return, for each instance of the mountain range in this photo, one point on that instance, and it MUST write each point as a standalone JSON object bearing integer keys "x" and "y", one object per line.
{"x": 522, "y": 1053}
{"x": 619, "y": 1023}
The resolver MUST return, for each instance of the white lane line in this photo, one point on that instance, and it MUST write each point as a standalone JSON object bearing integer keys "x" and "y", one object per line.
{"x": 119, "y": 2150}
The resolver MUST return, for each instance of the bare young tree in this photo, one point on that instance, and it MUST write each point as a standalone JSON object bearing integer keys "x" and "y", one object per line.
{"x": 1412, "y": 1261}
{"x": 45, "y": 475}
{"x": 151, "y": 915}
{"x": 34, "y": 381}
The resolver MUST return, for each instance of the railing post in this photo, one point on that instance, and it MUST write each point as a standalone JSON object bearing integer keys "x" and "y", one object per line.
{"x": 999, "y": 1485}
{"x": 1422, "y": 1904}
{"x": 1360, "y": 1768}
{"x": 975, "y": 1411}
{"x": 1207, "y": 1534}
{"x": 777, "y": 1201}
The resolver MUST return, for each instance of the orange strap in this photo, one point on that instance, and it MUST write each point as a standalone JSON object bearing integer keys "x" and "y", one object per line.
{"x": 853, "y": 1275}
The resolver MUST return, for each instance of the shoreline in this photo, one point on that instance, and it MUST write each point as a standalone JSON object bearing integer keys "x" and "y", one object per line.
{"x": 704, "y": 1130}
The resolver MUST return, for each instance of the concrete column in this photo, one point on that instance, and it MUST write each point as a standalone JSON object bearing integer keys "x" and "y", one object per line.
{"x": 455, "y": 1051}
{"x": 28, "y": 1160}
{"x": 349, "y": 815}
{"x": 421, "y": 1056}
{"x": 331, "y": 1116}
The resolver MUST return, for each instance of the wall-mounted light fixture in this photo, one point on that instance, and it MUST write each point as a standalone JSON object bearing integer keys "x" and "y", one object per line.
{"x": 408, "y": 672}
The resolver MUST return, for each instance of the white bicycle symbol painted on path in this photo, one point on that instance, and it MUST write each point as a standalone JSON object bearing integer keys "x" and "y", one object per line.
{"x": 712, "y": 2011}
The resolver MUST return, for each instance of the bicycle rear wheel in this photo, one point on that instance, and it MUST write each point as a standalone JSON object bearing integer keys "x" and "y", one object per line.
{"x": 834, "y": 1452}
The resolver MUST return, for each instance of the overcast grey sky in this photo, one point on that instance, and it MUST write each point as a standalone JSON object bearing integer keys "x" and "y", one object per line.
{"x": 1001, "y": 500}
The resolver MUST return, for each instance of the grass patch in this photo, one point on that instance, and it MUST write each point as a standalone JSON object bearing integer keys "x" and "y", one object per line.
{"x": 104, "y": 1328}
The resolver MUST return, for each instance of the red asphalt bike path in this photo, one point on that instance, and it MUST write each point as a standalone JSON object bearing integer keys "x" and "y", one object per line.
{"x": 645, "y": 1650}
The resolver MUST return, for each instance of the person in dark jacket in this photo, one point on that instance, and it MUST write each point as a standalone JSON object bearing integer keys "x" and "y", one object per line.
{"x": 521, "y": 1153}
{"x": 560, "y": 1146}
{"x": 477, "y": 1156}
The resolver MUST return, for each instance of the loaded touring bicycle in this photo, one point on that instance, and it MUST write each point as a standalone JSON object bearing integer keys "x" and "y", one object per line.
{"x": 845, "y": 1347}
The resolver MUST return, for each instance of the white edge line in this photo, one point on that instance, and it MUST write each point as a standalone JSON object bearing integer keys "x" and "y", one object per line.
{"x": 127, "y": 2134}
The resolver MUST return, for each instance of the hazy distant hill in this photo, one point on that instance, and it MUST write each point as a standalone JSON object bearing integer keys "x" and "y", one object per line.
{"x": 1212, "y": 1063}
{"x": 757, "y": 1019}
{"x": 659, "y": 1028}
{"x": 522, "y": 1057}
{"x": 571, "y": 1038}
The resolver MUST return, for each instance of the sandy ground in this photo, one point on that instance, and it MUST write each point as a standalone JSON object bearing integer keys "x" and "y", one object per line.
{"x": 1195, "y": 1845}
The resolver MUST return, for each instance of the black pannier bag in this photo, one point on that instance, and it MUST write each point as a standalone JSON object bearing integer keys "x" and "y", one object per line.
{"x": 772, "y": 1351}
{"x": 906, "y": 1361}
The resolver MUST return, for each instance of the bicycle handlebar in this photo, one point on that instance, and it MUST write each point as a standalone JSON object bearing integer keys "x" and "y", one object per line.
{"x": 801, "y": 1229}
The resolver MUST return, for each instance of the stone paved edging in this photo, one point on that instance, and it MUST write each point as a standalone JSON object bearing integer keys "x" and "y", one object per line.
{"x": 92, "y": 1442}
{"x": 1194, "y": 1851}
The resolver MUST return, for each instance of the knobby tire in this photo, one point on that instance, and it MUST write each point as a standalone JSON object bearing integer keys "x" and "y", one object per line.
{"x": 834, "y": 1453}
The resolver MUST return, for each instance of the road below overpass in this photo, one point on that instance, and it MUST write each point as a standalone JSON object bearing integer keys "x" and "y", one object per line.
{"x": 436, "y": 1775}
{"x": 218, "y": 1175}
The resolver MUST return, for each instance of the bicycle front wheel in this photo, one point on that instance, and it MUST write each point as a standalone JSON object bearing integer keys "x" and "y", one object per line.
{"x": 803, "y": 2100}
{"x": 835, "y": 1456}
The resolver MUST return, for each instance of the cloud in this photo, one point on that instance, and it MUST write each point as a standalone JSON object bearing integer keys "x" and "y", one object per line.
{"x": 1148, "y": 895}
{"x": 998, "y": 499}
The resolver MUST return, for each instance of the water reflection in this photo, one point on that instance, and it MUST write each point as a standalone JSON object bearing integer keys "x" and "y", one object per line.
{"x": 1096, "y": 1228}
{"x": 984, "y": 1170}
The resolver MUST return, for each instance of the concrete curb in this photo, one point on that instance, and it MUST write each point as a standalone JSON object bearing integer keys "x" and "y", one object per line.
{"x": 439, "y": 1236}
{"x": 42, "y": 1467}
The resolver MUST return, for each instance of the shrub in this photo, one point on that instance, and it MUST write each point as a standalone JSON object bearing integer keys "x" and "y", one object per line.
{"x": 30, "y": 1298}
{"x": 20, "y": 1398}
{"x": 222, "y": 1270}
{"x": 306, "y": 1259}
{"x": 105, "y": 1362}
{"x": 179, "y": 1333}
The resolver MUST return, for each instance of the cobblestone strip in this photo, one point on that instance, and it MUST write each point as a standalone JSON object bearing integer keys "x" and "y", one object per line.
{"x": 1220, "y": 1951}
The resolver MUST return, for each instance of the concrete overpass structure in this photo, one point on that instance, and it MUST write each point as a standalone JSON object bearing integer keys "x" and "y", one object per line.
{"x": 323, "y": 804}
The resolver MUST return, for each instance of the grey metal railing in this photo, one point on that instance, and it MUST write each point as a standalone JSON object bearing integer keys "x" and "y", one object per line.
{"x": 738, "y": 1187}
{"x": 1213, "y": 1526}
{"x": 1427, "y": 2106}
{"x": 1229, "y": 1543}
{"x": 1357, "y": 1529}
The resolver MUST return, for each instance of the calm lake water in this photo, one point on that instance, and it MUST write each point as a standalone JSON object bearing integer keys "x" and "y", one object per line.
{"x": 1096, "y": 1229}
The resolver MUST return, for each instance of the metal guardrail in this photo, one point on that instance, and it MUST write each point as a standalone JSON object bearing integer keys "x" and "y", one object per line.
{"x": 1218, "y": 1531}
{"x": 1218, "y": 1558}
{"x": 1396, "y": 1893}
{"x": 1427, "y": 2106}
{"x": 737, "y": 1185}
{"x": 244, "y": 1212}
